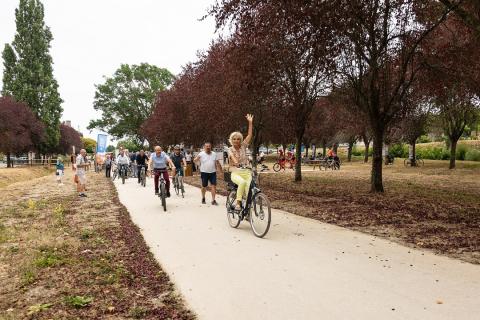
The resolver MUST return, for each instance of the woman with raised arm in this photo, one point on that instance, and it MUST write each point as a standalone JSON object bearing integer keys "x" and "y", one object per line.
{"x": 237, "y": 155}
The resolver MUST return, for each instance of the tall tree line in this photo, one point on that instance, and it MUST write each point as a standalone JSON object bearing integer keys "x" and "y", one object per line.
{"x": 28, "y": 71}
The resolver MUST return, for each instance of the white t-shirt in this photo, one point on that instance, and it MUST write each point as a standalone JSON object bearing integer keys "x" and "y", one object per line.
{"x": 208, "y": 162}
{"x": 80, "y": 160}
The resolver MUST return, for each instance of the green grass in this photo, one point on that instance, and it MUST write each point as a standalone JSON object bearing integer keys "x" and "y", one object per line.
{"x": 78, "y": 301}
{"x": 49, "y": 258}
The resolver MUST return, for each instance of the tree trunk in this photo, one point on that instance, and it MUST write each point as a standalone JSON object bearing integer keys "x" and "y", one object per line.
{"x": 367, "y": 149}
{"x": 298, "y": 163}
{"x": 350, "y": 148}
{"x": 377, "y": 163}
{"x": 9, "y": 161}
{"x": 324, "y": 146}
{"x": 453, "y": 153}
{"x": 335, "y": 148}
{"x": 414, "y": 158}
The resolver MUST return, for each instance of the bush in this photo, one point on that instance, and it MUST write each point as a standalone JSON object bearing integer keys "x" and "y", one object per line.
{"x": 423, "y": 139}
{"x": 461, "y": 152}
{"x": 472, "y": 155}
{"x": 398, "y": 150}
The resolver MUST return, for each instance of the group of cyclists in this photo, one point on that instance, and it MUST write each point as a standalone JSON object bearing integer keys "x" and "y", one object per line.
{"x": 156, "y": 163}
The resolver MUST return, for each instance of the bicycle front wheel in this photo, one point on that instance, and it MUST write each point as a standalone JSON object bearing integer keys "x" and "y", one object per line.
{"x": 163, "y": 196}
{"x": 261, "y": 217}
{"x": 276, "y": 167}
{"x": 180, "y": 185}
{"x": 175, "y": 185}
{"x": 233, "y": 216}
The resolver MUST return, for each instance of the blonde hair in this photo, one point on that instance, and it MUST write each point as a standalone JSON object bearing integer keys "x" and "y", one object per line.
{"x": 233, "y": 135}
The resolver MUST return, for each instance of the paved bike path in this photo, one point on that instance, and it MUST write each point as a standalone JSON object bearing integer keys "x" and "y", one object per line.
{"x": 303, "y": 269}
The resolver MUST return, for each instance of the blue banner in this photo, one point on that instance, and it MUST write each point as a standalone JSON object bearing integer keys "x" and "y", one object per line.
{"x": 101, "y": 143}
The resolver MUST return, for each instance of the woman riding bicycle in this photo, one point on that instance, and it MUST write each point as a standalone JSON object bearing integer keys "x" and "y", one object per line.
{"x": 237, "y": 155}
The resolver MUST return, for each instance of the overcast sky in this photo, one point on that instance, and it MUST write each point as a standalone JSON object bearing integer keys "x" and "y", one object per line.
{"x": 93, "y": 37}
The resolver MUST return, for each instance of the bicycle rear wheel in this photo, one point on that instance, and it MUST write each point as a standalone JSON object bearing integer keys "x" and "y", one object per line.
{"x": 233, "y": 216}
{"x": 276, "y": 167}
{"x": 261, "y": 217}
{"x": 163, "y": 196}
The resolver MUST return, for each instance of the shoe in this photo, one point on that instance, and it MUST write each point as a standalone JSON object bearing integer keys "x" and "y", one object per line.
{"x": 83, "y": 195}
{"x": 214, "y": 203}
{"x": 203, "y": 201}
{"x": 156, "y": 193}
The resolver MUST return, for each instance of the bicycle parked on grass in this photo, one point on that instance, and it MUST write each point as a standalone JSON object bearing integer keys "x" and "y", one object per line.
{"x": 143, "y": 175}
{"x": 178, "y": 183}
{"x": 260, "y": 217}
{"x": 281, "y": 164}
{"x": 410, "y": 162}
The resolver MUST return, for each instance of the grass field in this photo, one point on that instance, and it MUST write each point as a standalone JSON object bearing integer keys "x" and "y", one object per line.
{"x": 430, "y": 207}
{"x": 64, "y": 257}
{"x": 12, "y": 175}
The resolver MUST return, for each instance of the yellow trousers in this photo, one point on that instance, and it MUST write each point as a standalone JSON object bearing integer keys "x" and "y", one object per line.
{"x": 242, "y": 178}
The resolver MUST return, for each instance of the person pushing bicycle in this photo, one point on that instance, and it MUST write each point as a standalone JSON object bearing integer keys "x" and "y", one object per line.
{"x": 159, "y": 161}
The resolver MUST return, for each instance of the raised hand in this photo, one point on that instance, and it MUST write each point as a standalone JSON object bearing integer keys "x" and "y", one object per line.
{"x": 249, "y": 117}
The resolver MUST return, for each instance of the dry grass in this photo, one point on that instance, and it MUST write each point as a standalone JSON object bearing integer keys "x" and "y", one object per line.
{"x": 12, "y": 175}
{"x": 64, "y": 257}
{"x": 430, "y": 207}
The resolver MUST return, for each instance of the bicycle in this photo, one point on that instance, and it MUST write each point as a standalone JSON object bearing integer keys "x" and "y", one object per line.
{"x": 261, "y": 206}
{"x": 281, "y": 164}
{"x": 162, "y": 194}
{"x": 115, "y": 172}
{"x": 178, "y": 183}
{"x": 409, "y": 162}
{"x": 143, "y": 175}
{"x": 123, "y": 172}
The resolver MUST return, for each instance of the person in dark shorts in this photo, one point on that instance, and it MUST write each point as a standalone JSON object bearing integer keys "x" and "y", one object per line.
{"x": 208, "y": 163}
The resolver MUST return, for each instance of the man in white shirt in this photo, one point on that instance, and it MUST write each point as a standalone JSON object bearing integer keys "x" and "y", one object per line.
{"x": 123, "y": 161}
{"x": 208, "y": 170}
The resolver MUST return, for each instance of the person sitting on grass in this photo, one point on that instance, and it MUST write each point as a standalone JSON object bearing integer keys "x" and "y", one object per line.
{"x": 237, "y": 155}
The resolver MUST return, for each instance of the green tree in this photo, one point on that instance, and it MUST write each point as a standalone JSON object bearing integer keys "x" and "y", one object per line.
{"x": 127, "y": 98}
{"x": 89, "y": 144}
{"x": 110, "y": 148}
{"x": 28, "y": 75}
{"x": 9, "y": 62}
{"x": 130, "y": 144}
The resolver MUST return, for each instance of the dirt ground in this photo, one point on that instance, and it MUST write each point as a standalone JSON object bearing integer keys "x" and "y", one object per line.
{"x": 430, "y": 207}
{"x": 64, "y": 257}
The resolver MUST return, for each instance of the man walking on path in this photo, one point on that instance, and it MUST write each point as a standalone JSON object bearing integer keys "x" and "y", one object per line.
{"x": 158, "y": 164}
{"x": 208, "y": 170}
{"x": 81, "y": 163}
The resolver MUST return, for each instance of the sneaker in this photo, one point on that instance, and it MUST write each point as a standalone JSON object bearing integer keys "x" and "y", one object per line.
{"x": 203, "y": 201}
{"x": 214, "y": 203}
{"x": 83, "y": 195}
